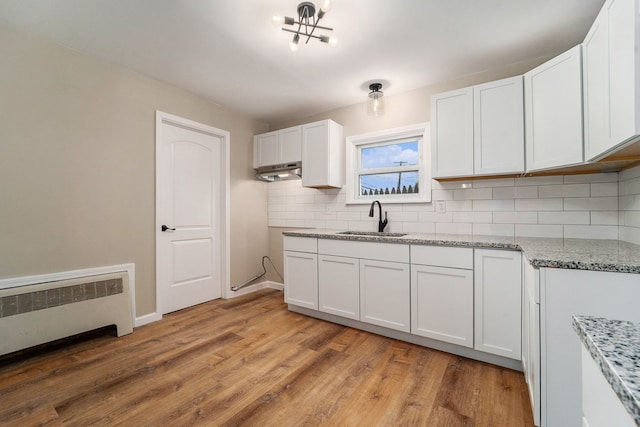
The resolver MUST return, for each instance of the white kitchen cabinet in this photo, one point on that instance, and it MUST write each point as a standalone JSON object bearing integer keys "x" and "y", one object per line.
{"x": 277, "y": 147}
{"x": 322, "y": 155}
{"x": 452, "y": 133}
{"x": 385, "y": 294}
{"x": 301, "y": 271}
{"x": 564, "y": 293}
{"x": 601, "y": 407}
{"x": 442, "y": 304}
{"x": 498, "y": 127}
{"x": 442, "y": 293}
{"x": 498, "y": 286}
{"x": 531, "y": 335}
{"x": 339, "y": 286}
{"x": 478, "y": 130}
{"x": 611, "y": 73}
{"x": 553, "y": 112}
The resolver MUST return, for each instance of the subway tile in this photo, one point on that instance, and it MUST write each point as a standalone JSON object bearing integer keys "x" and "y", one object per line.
{"x": 569, "y": 190}
{"x": 337, "y": 225}
{"x": 629, "y": 187}
{"x": 529, "y": 192}
{"x": 473, "y": 194}
{"x": 442, "y": 195}
{"x": 564, "y": 217}
{"x": 591, "y": 178}
{"x": 450, "y": 185}
{"x": 435, "y": 217}
{"x": 604, "y": 218}
{"x": 530, "y": 230}
{"x": 401, "y": 216}
{"x": 494, "y": 229}
{"x": 493, "y": 183}
{"x": 591, "y": 204}
{"x": 419, "y": 227}
{"x": 450, "y": 228}
{"x": 458, "y": 205}
{"x": 604, "y": 189}
{"x": 632, "y": 219}
{"x": 592, "y": 231}
{"x": 539, "y": 180}
{"x": 296, "y": 223}
{"x": 348, "y": 216}
{"x": 473, "y": 217}
{"x": 630, "y": 173}
{"x": 539, "y": 205}
{"x": 515, "y": 217}
{"x": 493, "y": 205}
{"x": 629, "y": 234}
{"x": 629, "y": 203}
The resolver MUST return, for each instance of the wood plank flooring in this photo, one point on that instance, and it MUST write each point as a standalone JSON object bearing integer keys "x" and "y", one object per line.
{"x": 249, "y": 361}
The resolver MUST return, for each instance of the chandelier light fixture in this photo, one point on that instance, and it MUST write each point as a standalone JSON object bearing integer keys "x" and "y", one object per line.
{"x": 306, "y": 25}
{"x": 375, "y": 105}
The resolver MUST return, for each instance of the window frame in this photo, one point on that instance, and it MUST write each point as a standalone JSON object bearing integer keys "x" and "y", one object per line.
{"x": 355, "y": 143}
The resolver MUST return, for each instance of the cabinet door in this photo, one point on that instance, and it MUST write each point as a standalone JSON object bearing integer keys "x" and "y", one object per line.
{"x": 531, "y": 337}
{"x": 452, "y": 133}
{"x": 322, "y": 155}
{"x": 339, "y": 286}
{"x": 290, "y": 144}
{"x": 553, "y": 112}
{"x": 301, "y": 279}
{"x": 442, "y": 304}
{"x": 611, "y": 67}
{"x": 498, "y": 286}
{"x": 498, "y": 123}
{"x": 265, "y": 149}
{"x": 385, "y": 294}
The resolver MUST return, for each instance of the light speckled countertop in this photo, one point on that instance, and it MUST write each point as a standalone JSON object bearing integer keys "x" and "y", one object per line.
{"x": 615, "y": 347}
{"x": 576, "y": 254}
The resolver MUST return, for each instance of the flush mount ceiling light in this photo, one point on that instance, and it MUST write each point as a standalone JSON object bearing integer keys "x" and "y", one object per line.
{"x": 306, "y": 25}
{"x": 375, "y": 105}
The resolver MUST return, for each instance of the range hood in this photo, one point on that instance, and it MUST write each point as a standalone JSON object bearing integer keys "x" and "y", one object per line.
{"x": 282, "y": 172}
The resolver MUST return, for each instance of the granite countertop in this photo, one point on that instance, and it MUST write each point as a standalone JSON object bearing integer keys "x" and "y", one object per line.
{"x": 615, "y": 347}
{"x": 576, "y": 254}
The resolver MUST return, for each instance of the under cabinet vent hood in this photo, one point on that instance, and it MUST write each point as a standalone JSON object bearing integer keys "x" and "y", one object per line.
{"x": 281, "y": 172}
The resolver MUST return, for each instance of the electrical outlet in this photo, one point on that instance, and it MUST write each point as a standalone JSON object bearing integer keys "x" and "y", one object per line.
{"x": 440, "y": 206}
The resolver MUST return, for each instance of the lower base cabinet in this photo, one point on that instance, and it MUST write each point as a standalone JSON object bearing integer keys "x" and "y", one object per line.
{"x": 301, "y": 279}
{"x": 498, "y": 299}
{"x": 384, "y": 294}
{"x": 442, "y": 304}
{"x": 339, "y": 286}
{"x": 601, "y": 407}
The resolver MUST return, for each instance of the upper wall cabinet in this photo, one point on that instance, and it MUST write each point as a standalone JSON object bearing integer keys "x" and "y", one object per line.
{"x": 478, "y": 130}
{"x": 611, "y": 67}
{"x": 281, "y": 146}
{"x": 322, "y": 155}
{"x": 553, "y": 112}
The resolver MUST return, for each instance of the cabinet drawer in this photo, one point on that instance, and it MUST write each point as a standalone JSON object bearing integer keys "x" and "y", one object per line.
{"x": 442, "y": 256}
{"x": 365, "y": 250}
{"x": 301, "y": 244}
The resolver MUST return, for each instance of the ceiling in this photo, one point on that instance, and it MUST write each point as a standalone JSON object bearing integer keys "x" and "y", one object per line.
{"x": 229, "y": 52}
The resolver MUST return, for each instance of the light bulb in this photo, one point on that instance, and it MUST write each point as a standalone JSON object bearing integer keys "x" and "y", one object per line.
{"x": 333, "y": 41}
{"x": 277, "y": 21}
{"x": 326, "y": 6}
{"x": 294, "y": 43}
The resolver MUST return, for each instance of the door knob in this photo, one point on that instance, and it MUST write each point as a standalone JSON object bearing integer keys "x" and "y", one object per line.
{"x": 165, "y": 228}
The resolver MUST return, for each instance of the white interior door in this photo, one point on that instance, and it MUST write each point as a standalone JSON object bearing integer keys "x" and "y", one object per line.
{"x": 189, "y": 215}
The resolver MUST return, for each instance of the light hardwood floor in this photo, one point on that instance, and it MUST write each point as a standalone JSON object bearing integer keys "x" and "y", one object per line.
{"x": 249, "y": 361}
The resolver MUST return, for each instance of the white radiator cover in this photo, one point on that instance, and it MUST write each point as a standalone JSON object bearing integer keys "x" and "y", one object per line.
{"x": 32, "y": 314}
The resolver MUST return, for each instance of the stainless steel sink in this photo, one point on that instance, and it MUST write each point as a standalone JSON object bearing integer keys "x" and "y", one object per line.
{"x": 371, "y": 233}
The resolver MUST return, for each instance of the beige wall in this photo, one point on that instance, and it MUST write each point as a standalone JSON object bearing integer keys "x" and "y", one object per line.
{"x": 77, "y": 165}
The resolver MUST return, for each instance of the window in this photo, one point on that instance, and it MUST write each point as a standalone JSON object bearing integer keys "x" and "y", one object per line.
{"x": 389, "y": 166}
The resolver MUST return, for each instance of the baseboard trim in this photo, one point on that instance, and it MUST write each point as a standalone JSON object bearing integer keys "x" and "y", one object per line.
{"x": 255, "y": 287}
{"x": 147, "y": 318}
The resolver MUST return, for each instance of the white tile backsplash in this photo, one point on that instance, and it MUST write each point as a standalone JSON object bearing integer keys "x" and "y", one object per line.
{"x": 603, "y": 206}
